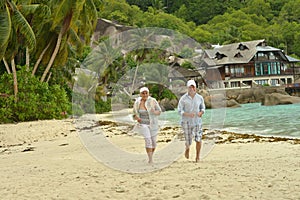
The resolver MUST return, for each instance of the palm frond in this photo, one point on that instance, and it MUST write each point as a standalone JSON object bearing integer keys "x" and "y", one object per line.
{"x": 75, "y": 40}
{"x": 5, "y": 29}
{"x": 28, "y": 9}
{"x": 24, "y": 27}
{"x": 2, "y": 4}
{"x": 61, "y": 11}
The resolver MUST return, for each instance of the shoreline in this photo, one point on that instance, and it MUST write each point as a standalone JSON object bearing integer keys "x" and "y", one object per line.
{"x": 106, "y": 120}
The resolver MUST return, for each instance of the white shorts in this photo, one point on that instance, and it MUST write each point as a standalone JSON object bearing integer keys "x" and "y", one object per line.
{"x": 144, "y": 130}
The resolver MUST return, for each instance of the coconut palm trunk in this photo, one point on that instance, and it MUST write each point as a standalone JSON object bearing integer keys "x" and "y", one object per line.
{"x": 6, "y": 65}
{"x": 14, "y": 72}
{"x": 60, "y": 35}
{"x": 27, "y": 58}
{"x": 40, "y": 59}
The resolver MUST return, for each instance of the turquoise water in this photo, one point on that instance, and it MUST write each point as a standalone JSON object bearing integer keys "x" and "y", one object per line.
{"x": 279, "y": 120}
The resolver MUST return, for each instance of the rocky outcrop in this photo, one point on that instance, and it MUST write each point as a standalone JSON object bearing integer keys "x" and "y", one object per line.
{"x": 167, "y": 104}
{"x": 106, "y": 27}
{"x": 235, "y": 97}
{"x": 279, "y": 99}
{"x": 253, "y": 95}
{"x": 232, "y": 103}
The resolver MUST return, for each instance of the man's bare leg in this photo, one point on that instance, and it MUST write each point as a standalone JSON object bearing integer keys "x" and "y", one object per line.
{"x": 187, "y": 152}
{"x": 198, "y": 148}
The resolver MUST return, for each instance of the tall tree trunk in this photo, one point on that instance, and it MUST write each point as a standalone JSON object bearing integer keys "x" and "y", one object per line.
{"x": 6, "y": 65}
{"x": 40, "y": 58}
{"x": 53, "y": 55}
{"x": 49, "y": 77}
{"x": 63, "y": 30}
{"x": 14, "y": 71}
{"x": 27, "y": 58}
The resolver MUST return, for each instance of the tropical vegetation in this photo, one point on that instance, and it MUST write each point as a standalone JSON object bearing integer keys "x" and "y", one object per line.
{"x": 42, "y": 42}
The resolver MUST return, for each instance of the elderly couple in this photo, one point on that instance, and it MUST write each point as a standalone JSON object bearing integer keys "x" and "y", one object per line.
{"x": 191, "y": 107}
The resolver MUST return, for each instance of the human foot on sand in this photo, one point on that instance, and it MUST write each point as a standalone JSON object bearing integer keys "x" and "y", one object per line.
{"x": 197, "y": 160}
{"x": 187, "y": 153}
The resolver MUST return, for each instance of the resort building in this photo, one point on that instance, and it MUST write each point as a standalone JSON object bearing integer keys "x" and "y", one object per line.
{"x": 246, "y": 64}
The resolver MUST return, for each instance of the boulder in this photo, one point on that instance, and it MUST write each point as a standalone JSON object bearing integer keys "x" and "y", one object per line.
{"x": 279, "y": 99}
{"x": 246, "y": 96}
{"x": 207, "y": 101}
{"x": 167, "y": 104}
{"x": 232, "y": 103}
{"x": 218, "y": 101}
{"x": 259, "y": 95}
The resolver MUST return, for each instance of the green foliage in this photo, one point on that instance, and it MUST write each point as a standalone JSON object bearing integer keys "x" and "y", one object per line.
{"x": 216, "y": 22}
{"x": 36, "y": 100}
{"x": 208, "y": 22}
{"x": 187, "y": 52}
{"x": 84, "y": 104}
{"x": 201, "y": 35}
{"x": 160, "y": 93}
{"x": 103, "y": 106}
{"x": 187, "y": 65}
{"x": 143, "y": 4}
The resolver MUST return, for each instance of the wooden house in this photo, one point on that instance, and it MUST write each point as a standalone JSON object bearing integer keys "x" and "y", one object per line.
{"x": 246, "y": 64}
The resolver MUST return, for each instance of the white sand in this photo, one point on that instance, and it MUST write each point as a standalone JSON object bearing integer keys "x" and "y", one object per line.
{"x": 48, "y": 160}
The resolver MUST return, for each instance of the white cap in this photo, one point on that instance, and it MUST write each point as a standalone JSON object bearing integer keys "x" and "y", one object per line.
{"x": 191, "y": 82}
{"x": 143, "y": 89}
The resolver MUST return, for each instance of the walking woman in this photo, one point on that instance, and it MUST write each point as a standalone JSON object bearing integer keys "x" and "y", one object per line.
{"x": 146, "y": 111}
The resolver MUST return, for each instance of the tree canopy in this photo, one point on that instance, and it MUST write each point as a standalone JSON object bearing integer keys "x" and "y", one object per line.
{"x": 51, "y": 38}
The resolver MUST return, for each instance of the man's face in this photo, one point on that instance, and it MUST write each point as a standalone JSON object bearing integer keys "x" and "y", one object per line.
{"x": 192, "y": 90}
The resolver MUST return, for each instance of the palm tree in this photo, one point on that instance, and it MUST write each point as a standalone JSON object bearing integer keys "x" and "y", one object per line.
{"x": 5, "y": 28}
{"x": 140, "y": 40}
{"x": 71, "y": 18}
{"x": 14, "y": 33}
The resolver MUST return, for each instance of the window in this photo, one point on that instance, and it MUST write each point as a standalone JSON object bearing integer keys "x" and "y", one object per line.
{"x": 278, "y": 68}
{"x": 273, "y": 69}
{"x": 239, "y": 70}
{"x": 219, "y": 56}
{"x": 262, "y": 82}
{"x": 235, "y": 84}
{"x": 242, "y": 47}
{"x": 226, "y": 70}
{"x": 272, "y": 56}
{"x": 258, "y": 69}
{"x": 274, "y": 82}
{"x": 265, "y": 68}
{"x": 262, "y": 56}
{"x": 238, "y": 55}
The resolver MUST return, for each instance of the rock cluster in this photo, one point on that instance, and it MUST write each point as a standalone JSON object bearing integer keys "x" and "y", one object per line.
{"x": 233, "y": 98}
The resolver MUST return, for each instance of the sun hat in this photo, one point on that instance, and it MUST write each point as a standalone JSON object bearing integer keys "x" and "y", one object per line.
{"x": 143, "y": 89}
{"x": 191, "y": 82}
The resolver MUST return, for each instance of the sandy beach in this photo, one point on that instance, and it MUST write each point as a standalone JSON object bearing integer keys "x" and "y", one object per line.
{"x": 50, "y": 160}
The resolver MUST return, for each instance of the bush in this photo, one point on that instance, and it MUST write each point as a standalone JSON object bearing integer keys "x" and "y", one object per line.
{"x": 36, "y": 100}
{"x": 103, "y": 106}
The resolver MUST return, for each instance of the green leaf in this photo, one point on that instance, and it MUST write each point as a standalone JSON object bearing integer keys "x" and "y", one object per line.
{"x": 5, "y": 30}
{"x": 24, "y": 28}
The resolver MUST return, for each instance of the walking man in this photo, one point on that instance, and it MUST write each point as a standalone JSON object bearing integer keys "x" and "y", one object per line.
{"x": 191, "y": 107}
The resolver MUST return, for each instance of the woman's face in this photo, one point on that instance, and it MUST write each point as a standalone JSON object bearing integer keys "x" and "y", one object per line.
{"x": 144, "y": 95}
